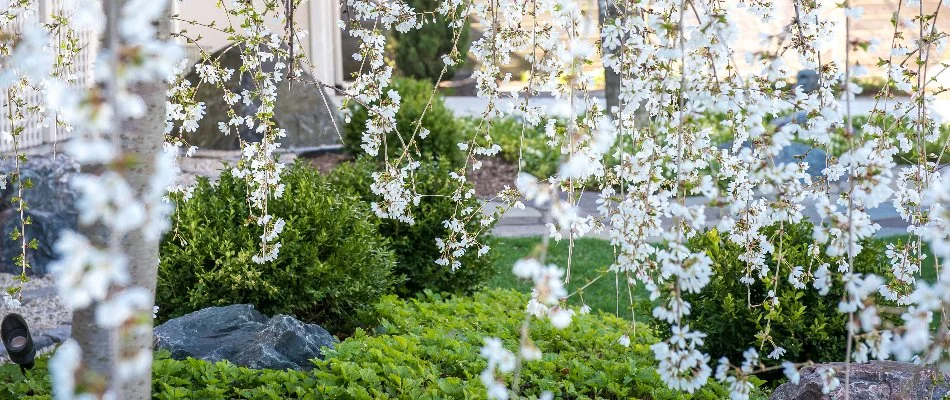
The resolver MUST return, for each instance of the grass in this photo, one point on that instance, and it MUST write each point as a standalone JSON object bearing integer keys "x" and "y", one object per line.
{"x": 928, "y": 271}
{"x": 591, "y": 259}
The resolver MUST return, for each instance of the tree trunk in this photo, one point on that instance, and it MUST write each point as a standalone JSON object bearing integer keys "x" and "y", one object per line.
{"x": 605, "y": 11}
{"x": 141, "y": 141}
{"x": 96, "y": 343}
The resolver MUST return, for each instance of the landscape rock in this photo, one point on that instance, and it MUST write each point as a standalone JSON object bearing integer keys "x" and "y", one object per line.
{"x": 872, "y": 381}
{"x": 303, "y": 109}
{"x": 242, "y": 335}
{"x": 51, "y": 206}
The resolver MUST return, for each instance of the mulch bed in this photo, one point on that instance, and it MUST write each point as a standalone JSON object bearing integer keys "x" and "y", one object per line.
{"x": 326, "y": 162}
{"x": 491, "y": 178}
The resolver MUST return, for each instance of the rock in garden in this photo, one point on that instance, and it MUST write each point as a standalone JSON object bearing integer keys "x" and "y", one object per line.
{"x": 242, "y": 335}
{"x": 872, "y": 381}
{"x": 303, "y": 109}
{"x": 50, "y": 207}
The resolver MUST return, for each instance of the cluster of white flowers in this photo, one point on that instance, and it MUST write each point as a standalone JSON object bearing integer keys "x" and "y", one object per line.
{"x": 461, "y": 236}
{"x": 369, "y": 89}
{"x": 397, "y": 196}
{"x": 681, "y": 365}
{"x": 739, "y": 386}
{"x": 500, "y": 360}
{"x": 548, "y": 291}
{"x": 829, "y": 379}
{"x": 265, "y": 57}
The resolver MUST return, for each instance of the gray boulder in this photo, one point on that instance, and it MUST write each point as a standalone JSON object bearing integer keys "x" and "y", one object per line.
{"x": 242, "y": 335}
{"x": 51, "y": 206}
{"x": 303, "y": 109}
{"x": 872, "y": 381}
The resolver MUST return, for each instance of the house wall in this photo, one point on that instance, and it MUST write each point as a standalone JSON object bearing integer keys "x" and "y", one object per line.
{"x": 317, "y": 17}
{"x": 34, "y": 133}
{"x": 875, "y": 23}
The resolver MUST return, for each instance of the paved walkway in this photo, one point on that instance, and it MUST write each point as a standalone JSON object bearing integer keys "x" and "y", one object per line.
{"x": 471, "y": 106}
{"x": 530, "y": 221}
{"x": 474, "y": 106}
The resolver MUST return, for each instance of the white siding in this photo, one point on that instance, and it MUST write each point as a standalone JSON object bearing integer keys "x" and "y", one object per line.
{"x": 35, "y": 134}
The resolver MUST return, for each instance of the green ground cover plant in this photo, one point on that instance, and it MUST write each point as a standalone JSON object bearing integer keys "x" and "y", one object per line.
{"x": 426, "y": 348}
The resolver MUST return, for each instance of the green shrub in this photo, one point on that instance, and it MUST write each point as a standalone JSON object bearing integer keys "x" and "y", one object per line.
{"x": 527, "y": 144}
{"x": 333, "y": 263}
{"x": 807, "y": 325}
{"x": 418, "y": 53}
{"x": 839, "y": 143}
{"x": 444, "y": 135}
{"x": 414, "y": 245}
{"x": 429, "y": 350}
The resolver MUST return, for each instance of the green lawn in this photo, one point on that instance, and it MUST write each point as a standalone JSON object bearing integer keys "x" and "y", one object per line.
{"x": 591, "y": 259}
{"x": 928, "y": 272}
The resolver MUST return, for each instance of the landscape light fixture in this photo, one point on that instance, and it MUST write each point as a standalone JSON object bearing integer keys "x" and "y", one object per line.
{"x": 17, "y": 339}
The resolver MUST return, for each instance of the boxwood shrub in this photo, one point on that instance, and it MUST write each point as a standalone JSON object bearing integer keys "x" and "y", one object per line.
{"x": 808, "y": 326}
{"x": 415, "y": 245}
{"x": 444, "y": 131}
{"x": 427, "y": 348}
{"x": 519, "y": 143}
{"x": 332, "y": 268}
